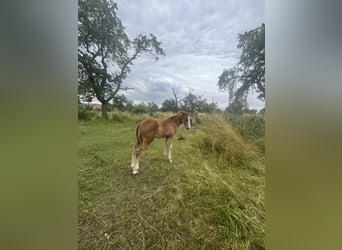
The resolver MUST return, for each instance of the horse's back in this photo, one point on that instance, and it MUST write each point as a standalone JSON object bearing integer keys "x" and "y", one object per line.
{"x": 148, "y": 123}
{"x": 151, "y": 128}
{"x": 147, "y": 129}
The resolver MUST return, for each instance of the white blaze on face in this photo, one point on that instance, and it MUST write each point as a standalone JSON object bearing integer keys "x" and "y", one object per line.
{"x": 189, "y": 122}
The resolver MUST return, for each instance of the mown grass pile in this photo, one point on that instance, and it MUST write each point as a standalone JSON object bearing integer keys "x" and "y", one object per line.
{"x": 210, "y": 197}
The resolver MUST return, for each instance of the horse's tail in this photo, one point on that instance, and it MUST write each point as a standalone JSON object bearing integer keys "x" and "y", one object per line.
{"x": 138, "y": 134}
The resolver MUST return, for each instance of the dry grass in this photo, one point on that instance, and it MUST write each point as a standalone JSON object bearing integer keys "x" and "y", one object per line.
{"x": 219, "y": 137}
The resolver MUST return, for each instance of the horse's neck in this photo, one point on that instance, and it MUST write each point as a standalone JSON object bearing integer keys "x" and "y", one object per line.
{"x": 175, "y": 119}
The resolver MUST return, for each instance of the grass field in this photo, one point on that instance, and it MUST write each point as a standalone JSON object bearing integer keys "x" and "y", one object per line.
{"x": 210, "y": 197}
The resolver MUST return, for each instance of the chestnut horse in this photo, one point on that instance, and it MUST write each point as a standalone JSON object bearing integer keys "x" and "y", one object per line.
{"x": 151, "y": 128}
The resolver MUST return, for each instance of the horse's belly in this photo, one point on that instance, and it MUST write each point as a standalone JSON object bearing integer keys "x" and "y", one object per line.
{"x": 159, "y": 135}
{"x": 161, "y": 132}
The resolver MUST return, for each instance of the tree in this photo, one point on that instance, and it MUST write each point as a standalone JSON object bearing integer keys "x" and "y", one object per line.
{"x": 142, "y": 107}
{"x": 152, "y": 108}
{"x": 190, "y": 103}
{"x": 122, "y": 103}
{"x": 172, "y": 105}
{"x": 235, "y": 108}
{"x": 194, "y": 104}
{"x": 169, "y": 105}
{"x": 211, "y": 107}
{"x": 177, "y": 100}
{"x": 105, "y": 53}
{"x": 249, "y": 73}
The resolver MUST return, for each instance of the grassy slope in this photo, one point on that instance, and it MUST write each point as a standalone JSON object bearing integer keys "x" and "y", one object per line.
{"x": 200, "y": 201}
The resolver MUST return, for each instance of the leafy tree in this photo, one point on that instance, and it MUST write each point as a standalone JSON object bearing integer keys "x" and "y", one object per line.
{"x": 122, "y": 103}
{"x": 152, "y": 108}
{"x": 249, "y": 73}
{"x": 105, "y": 53}
{"x": 237, "y": 108}
{"x": 190, "y": 103}
{"x": 140, "y": 108}
{"x": 194, "y": 103}
{"x": 211, "y": 107}
{"x": 169, "y": 105}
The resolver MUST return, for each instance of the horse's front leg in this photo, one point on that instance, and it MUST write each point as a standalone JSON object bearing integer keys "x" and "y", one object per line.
{"x": 169, "y": 144}
{"x": 166, "y": 150}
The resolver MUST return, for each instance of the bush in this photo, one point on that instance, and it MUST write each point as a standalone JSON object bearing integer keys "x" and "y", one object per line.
{"x": 117, "y": 118}
{"x": 250, "y": 126}
{"x": 85, "y": 113}
{"x": 219, "y": 137}
{"x": 139, "y": 109}
{"x": 125, "y": 117}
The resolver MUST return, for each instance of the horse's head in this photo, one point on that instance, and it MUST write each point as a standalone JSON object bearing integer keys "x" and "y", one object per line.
{"x": 186, "y": 119}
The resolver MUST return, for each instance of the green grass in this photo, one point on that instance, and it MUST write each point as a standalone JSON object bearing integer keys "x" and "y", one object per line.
{"x": 210, "y": 197}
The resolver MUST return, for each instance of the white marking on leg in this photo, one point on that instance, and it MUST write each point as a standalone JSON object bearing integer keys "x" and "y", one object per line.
{"x": 189, "y": 122}
{"x": 170, "y": 150}
{"x": 136, "y": 166}
{"x": 133, "y": 157}
{"x": 136, "y": 163}
{"x": 165, "y": 150}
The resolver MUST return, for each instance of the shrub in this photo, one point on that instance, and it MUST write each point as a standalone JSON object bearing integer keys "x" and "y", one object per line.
{"x": 86, "y": 115}
{"x": 125, "y": 117}
{"x": 250, "y": 126}
{"x": 219, "y": 137}
{"x": 117, "y": 118}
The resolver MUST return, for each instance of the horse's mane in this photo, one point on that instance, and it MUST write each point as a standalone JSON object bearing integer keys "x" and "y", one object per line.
{"x": 177, "y": 117}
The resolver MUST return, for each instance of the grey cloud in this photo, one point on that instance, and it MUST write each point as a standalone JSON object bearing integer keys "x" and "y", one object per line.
{"x": 199, "y": 38}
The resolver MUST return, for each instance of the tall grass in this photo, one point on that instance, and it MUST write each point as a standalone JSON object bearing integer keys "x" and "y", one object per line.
{"x": 218, "y": 137}
{"x": 210, "y": 197}
{"x": 249, "y": 126}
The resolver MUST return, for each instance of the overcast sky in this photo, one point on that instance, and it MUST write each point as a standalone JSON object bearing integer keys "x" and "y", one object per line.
{"x": 199, "y": 39}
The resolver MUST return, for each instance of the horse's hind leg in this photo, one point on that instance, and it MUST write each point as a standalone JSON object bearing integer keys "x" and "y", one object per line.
{"x": 133, "y": 157}
{"x": 137, "y": 152}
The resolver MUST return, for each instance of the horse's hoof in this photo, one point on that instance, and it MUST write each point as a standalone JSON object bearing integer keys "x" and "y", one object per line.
{"x": 135, "y": 172}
